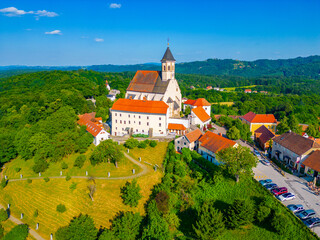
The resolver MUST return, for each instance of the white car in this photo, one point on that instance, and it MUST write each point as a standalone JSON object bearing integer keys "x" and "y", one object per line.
{"x": 286, "y": 197}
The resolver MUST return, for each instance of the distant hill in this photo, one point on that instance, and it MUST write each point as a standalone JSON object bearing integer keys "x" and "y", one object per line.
{"x": 300, "y": 66}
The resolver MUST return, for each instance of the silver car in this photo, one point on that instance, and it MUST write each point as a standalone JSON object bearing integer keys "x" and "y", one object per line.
{"x": 295, "y": 208}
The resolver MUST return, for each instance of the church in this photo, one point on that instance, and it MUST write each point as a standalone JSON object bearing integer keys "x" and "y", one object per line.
{"x": 158, "y": 85}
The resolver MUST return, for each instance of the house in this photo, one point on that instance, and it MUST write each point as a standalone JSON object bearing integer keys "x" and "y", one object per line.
{"x": 255, "y": 92}
{"x": 216, "y": 89}
{"x": 200, "y": 102}
{"x": 264, "y": 92}
{"x": 209, "y": 88}
{"x": 293, "y": 149}
{"x": 311, "y": 164}
{"x": 130, "y": 116}
{"x": 94, "y": 126}
{"x": 210, "y": 144}
{"x": 158, "y": 85}
{"x": 189, "y": 140}
{"x": 199, "y": 116}
{"x": 178, "y": 129}
{"x": 184, "y": 99}
{"x": 113, "y": 94}
{"x": 257, "y": 120}
{"x": 263, "y": 136}
{"x": 107, "y": 85}
{"x": 247, "y": 91}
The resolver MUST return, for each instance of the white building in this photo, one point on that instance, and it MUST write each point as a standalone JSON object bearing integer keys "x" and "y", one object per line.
{"x": 199, "y": 116}
{"x": 189, "y": 140}
{"x": 200, "y": 102}
{"x": 158, "y": 85}
{"x": 129, "y": 116}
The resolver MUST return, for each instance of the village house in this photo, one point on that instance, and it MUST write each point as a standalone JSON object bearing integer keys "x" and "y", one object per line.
{"x": 107, "y": 85}
{"x": 129, "y": 116}
{"x": 177, "y": 128}
{"x": 293, "y": 149}
{"x": 189, "y": 140}
{"x": 247, "y": 91}
{"x": 263, "y": 136}
{"x": 257, "y": 120}
{"x": 94, "y": 126}
{"x": 311, "y": 164}
{"x": 200, "y": 117}
{"x": 113, "y": 94}
{"x": 200, "y": 102}
{"x": 209, "y": 87}
{"x": 210, "y": 144}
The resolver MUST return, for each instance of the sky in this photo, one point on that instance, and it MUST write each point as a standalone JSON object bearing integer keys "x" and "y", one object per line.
{"x": 90, "y": 32}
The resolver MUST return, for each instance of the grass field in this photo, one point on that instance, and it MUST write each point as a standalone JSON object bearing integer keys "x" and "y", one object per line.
{"x": 45, "y": 197}
{"x": 230, "y": 89}
{"x": 224, "y": 103}
{"x": 124, "y": 168}
{"x": 8, "y": 225}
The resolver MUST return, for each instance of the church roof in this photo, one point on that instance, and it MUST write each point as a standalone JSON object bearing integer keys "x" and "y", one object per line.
{"x": 148, "y": 81}
{"x": 168, "y": 56}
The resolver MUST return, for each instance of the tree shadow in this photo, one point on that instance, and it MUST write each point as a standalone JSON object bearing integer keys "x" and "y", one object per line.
{"x": 188, "y": 218}
{"x": 222, "y": 206}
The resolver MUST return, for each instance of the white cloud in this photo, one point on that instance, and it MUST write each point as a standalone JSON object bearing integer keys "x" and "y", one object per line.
{"x": 99, "y": 39}
{"x": 28, "y": 29}
{"x": 54, "y": 32}
{"x": 115, "y": 5}
{"x": 14, "y": 12}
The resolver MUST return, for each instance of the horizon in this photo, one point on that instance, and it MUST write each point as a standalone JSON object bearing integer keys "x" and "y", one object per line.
{"x": 41, "y": 33}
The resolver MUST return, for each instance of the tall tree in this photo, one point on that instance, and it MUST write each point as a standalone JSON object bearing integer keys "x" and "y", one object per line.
{"x": 241, "y": 212}
{"x": 130, "y": 193}
{"x": 283, "y": 126}
{"x": 233, "y": 133}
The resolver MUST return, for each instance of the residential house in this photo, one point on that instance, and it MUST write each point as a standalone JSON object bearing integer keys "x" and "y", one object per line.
{"x": 293, "y": 149}
{"x": 113, "y": 94}
{"x": 263, "y": 136}
{"x": 209, "y": 87}
{"x": 200, "y": 102}
{"x": 107, "y": 85}
{"x": 189, "y": 140}
{"x": 216, "y": 88}
{"x": 94, "y": 126}
{"x": 199, "y": 116}
{"x": 210, "y": 144}
{"x": 311, "y": 164}
{"x": 247, "y": 91}
{"x": 176, "y": 128}
{"x": 257, "y": 120}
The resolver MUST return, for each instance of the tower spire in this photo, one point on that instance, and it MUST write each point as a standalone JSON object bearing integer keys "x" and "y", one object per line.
{"x": 168, "y": 42}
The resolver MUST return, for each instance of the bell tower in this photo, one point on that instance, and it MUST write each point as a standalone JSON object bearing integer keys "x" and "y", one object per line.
{"x": 167, "y": 65}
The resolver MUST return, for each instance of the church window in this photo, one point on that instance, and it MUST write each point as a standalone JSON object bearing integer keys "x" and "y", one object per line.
{"x": 147, "y": 117}
{"x": 164, "y": 67}
{"x": 159, "y": 124}
{"x": 147, "y": 124}
{"x": 115, "y": 114}
{"x": 139, "y": 123}
{"x": 168, "y": 68}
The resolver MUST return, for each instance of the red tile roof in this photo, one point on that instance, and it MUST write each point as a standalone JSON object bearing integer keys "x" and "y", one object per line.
{"x": 259, "y": 118}
{"x": 214, "y": 142}
{"x": 89, "y": 120}
{"x": 140, "y": 106}
{"x": 194, "y": 135}
{"x": 313, "y": 161}
{"x": 199, "y": 102}
{"x": 201, "y": 114}
{"x": 175, "y": 126}
{"x": 264, "y": 134}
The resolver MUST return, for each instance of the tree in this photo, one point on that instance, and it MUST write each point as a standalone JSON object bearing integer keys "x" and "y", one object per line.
{"x": 293, "y": 124}
{"x": 281, "y": 224}
{"x": 19, "y": 232}
{"x": 3, "y": 215}
{"x": 233, "y": 133}
{"x": 79, "y": 161}
{"x": 1, "y": 231}
{"x": 91, "y": 187}
{"x": 3, "y": 183}
{"x": 209, "y": 223}
{"x": 107, "y": 151}
{"x": 187, "y": 111}
{"x": 162, "y": 200}
{"x": 312, "y": 131}
{"x": 241, "y": 212}
{"x": 237, "y": 160}
{"x": 130, "y": 193}
{"x": 81, "y": 227}
{"x": 61, "y": 208}
{"x": 283, "y": 126}
{"x": 131, "y": 143}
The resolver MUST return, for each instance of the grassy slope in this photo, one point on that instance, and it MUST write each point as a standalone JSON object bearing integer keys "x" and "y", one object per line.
{"x": 45, "y": 197}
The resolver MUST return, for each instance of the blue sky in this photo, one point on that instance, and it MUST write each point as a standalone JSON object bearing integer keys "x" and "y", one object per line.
{"x": 85, "y": 32}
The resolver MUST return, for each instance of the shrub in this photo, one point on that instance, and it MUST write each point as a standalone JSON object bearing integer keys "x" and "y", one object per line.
{"x": 17, "y": 169}
{"x": 130, "y": 193}
{"x": 3, "y": 183}
{"x": 142, "y": 145}
{"x": 153, "y": 143}
{"x": 73, "y": 186}
{"x": 68, "y": 178}
{"x": 29, "y": 180}
{"x": 36, "y": 213}
{"x": 79, "y": 162}
{"x": 240, "y": 213}
{"x": 19, "y": 232}
{"x": 46, "y": 179}
{"x": 40, "y": 165}
{"x": 61, "y": 208}
{"x": 140, "y": 135}
{"x": 262, "y": 213}
{"x": 64, "y": 165}
{"x": 3, "y": 215}
{"x": 147, "y": 141}
{"x": 281, "y": 224}
{"x": 1, "y": 231}
{"x": 131, "y": 143}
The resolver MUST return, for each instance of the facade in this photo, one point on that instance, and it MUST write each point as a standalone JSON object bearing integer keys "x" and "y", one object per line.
{"x": 293, "y": 149}
{"x": 200, "y": 102}
{"x": 311, "y": 165}
{"x": 199, "y": 117}
{"x": 211, "y": 143}
{"x": 129, "y": 116}
{"x": 94, "y": 126}
{"x": 257, "y": 120}
{"x": 263, "y": 136}
{"x": 189, "y": 140}
{"x": 158, "y": 85}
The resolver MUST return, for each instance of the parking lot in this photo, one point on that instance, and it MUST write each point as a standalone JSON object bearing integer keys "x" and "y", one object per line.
{"x": 295, "y": 185}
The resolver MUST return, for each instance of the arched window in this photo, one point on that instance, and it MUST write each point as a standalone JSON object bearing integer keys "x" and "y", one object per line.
{"x": 164, "y": 67}
{"x": 168, "y": 68}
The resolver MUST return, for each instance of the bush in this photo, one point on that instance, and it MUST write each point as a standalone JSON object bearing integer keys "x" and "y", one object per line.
{"x": 262, "y": 213}
{"x": 131, "y": 143}
{"x": 140, "y": 135}
{"x": 36, "y": 213}
{"x": 29, "y": 180}
{"x": 46, "y": 179}
{"x": 79, "y": 162}
{"x": 3, "y": 183}
{"x": 68, "y": 178}
{"x": 153, "y": 143}
{"x": 282, "y": 224}
{"x": 142, "y": 145}
{"x": 3, "y": 215}
{"x": 73, "y": 186}
{"x": 147, "y": 141}
{"x": 64, "y": 165}
{"x": 240, "y": 213}
{"x": 130, "y": 193}
{"x": 19, "y": 232}
{"x": 40, "y": 165}
{"x": 61, "y": 208}
{"x": 17, "y": 169}
{"x": 1, "y": 231}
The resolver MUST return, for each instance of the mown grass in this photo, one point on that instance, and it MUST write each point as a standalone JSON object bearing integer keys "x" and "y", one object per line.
{"x": 124, "y": 168}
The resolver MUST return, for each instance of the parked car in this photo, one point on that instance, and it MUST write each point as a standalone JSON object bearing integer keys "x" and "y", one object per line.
{"x": 256, "y": 153}
{"x": 295, "y": 208}
{"x": 279, "y": 191}
{"x": 286, "y": 197}
{"x": 312, "y": 222}
{"x": 266, "y": 162}
{"x": 306, "y": 214}
{"x": 265, "y": 181}
{"x": 271, "y": 186}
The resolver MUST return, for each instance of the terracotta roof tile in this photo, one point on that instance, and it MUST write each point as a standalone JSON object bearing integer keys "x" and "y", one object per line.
{"x": 175, "y": 126}
{"x": 313, "y": 161}
{"x": 199, "y": 102}
{"x": 88, "y": 119}
{"x": 259, "y": 118}
{"x": 214, "y": 142}
{"x": 194, "y": 135}
{"x": 264, "y": 134}
{"x": 201, "y": 114}
{"x": 140, "y": 106}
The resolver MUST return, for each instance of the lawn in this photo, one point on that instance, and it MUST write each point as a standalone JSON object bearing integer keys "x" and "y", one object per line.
{"x": 225, "y": 103}
{"x": 124, "y": 168}
{"x": 45, "y": 196}
{"x": 230, "y": 89}
{"x": 8, "y": 225}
